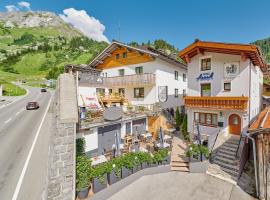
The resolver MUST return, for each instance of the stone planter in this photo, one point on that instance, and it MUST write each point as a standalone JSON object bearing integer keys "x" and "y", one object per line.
{"x": 196, "y": 166}
{"x": 83, "y": 193}
{"x": 125, "y": 172}
{"x": 112, "y": 178}
{"x": 98, "y": 186}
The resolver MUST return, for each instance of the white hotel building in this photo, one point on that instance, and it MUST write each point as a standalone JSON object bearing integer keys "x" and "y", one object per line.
{"x": 224, "y": 86}
{"x": 133, "y": 77}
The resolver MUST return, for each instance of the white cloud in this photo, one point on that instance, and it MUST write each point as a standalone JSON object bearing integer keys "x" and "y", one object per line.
{"x": 88, "y": 25}
{"x": 24, "y": 4}
{"x": 11, "y": 8}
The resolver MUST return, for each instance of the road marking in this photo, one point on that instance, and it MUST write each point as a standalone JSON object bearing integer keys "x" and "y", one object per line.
{"x": 8, "y": 121}
{"x": 19, "y": 184}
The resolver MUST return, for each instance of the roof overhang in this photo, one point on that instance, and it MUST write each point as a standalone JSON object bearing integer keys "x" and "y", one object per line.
{"x": 244, "y": 50}
{"x": 261, "y": 123}
{"x": 114, "y": 45}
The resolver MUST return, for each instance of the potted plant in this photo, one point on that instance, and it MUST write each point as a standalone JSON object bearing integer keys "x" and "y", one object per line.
{"x": 198, "y": 155}
{"x": 144, "y": 159}
{"x": 136, "y": 163}
{"x": 99, "y": 177}
{"x": 83, "y": 170}
{"x": 178, "y": 119}
{"x": 127, "y": 166}
{"x": 80, "y": 146}
{"x": 115, "y": 171}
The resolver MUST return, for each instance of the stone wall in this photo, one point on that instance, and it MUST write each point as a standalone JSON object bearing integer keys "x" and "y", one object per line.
{"x": 61, "y": 179}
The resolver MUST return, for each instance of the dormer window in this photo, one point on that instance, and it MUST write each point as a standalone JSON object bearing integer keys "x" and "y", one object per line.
{"x": 117, "y": 56}
{"x": 205, "y": 64}
{"x": 125, "y": 55}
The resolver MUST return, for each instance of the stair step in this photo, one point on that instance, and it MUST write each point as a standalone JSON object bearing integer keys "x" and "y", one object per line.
{"x": 230, "y": 141}
{"x": 230, "y": 145}
{"x": 179, "y": 164}
{"x": 225, "y": 160}
{"x": 227, "y": 166}
{"x": 234, "y": 174}
{"x": 229, "y": 153}
{"x": 179, "y": 159}
{"x": 182, "y": 169}
{"x": 224, "y": 155}
{"x": 230, "y": 149}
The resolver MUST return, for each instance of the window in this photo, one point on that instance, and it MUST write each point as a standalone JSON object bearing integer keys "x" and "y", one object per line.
{"x": 176, "y": 75}
{"x": 121, "y": 91}
{"x": 205, "y": 89}
{"x": 184, "y": 77}
{"x": 100, "y": 91}
{"x": 184, "y": 92}
{"x": 124, "y": 55}
{"x": 110, "y": 91}
{"x": 117, "y": 56}
{"x": 206, "y": 119}
{"x": 138, "y": 92}
{"x": 227, "y": 86}
{"x": 121, "y": 72}
{"x": 139, "y": 70}
{"x": 205, "y": 64}
{"x": 175, "y": 92}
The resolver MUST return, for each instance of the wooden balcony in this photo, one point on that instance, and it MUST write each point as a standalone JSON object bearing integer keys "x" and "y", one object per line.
{"x": 130, "y": 80}
{"x": 217, "y": 103}
{"x": 112, "y": 98}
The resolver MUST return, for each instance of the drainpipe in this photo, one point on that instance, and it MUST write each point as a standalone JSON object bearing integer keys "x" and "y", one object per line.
{"x": 255, "y": 164}
{"x": 249, "y": 91}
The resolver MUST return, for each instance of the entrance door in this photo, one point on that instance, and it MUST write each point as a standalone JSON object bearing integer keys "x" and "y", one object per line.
{"x": 234, "y": 124}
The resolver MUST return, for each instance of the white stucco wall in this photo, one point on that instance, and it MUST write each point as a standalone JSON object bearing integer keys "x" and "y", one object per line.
{"x": 91, "y": 139}
{"x": 164, "y": 77}
{"x": 249, "y": 76}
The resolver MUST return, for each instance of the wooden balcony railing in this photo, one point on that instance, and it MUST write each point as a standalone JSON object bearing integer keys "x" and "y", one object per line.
{"x": 226, "y": 103}
{"x": 130, "y": 80}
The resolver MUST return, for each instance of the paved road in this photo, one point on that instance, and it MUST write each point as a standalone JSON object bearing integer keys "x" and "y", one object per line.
{"x": 18, "y": 128}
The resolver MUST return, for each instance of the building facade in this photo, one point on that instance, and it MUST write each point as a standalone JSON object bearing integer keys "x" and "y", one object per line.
{"x": 147, "y": 84}
{"x": 224, "y": 87}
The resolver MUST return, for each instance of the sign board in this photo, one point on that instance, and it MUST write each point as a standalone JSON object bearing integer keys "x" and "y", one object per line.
{"x": 163, "y": 93}
{"x": 205, "y": 76}
{"x": 85, "y": 77}
{"x": 231, "y": 69}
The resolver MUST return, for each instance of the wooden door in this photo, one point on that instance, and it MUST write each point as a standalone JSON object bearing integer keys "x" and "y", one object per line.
{"x": 234, "y": 124}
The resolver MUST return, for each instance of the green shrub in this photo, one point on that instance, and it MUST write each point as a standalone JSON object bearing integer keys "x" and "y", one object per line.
{"x": 196, "y": 150}
{"x": 83, "y": 171}
{"x": 184, "y": 125}
{"x": 178, "y": 119}
{"x": 80, "y": 146}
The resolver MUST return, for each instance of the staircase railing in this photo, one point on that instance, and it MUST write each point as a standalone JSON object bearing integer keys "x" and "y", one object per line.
{"x": 239, "y": 142}
{"x": 214, "y": 143}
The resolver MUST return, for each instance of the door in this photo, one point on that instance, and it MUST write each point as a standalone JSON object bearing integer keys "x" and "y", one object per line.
{"x": 234, "y": 124}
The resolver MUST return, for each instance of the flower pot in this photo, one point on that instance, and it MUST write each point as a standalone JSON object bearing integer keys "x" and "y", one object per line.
{"x": 166, "y": 160}
{"x": 125, "y": 172}
{"x": 144, "y": 165}
{"x": 83, "y": 193}
{"x": 198, "y": 167}
{"x": 136, "y": 168}
{"x": 98, "y": 186}
{"x": 113, "y": 178}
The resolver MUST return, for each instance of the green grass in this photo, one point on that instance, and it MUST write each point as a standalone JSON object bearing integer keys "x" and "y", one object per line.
{"x": 10, "y": 89}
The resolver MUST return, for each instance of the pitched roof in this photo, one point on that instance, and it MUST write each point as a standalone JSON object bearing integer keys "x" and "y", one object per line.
{"x": 262, "y": 122}
{"x": 246, "y": 50}
{"x": 143, "y": 49}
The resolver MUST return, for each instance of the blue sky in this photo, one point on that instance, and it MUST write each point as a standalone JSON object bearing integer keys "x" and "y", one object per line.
{"x": 178, "y": 22}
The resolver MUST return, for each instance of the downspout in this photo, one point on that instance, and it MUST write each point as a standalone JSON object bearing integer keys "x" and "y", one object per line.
{"x": 249, "y": 91}
{"x": 255, "y": 163}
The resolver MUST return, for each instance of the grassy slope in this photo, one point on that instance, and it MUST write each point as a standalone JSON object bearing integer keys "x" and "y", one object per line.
{"x": 10, "y": 89}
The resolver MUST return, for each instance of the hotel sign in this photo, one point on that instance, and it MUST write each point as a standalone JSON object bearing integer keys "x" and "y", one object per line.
{"x": 163, "y": 93}
{"x": 205, "y": 76}
{"x": 231, "y": 69}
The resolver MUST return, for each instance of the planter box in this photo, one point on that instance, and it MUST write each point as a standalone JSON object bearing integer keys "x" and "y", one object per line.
{"x": 83, "y": 193}
{"x": 98, "y": 186}
{"x": 136, "y": 168}
{"x": 125, "y": 172}
{"x": 112, "y": 178}
{"x": 198, "y": 167}
{"x": 145, "y": 165}
{"x": 166, "y": 161}
{"x": 154, "y": 164}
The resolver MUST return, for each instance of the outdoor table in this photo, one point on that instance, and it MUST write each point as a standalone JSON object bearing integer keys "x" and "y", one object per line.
{"x": 165, "y": 145}
{"x": 98, "y": 160}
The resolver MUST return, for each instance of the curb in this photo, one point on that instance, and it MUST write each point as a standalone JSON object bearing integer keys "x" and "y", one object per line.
{"x": 222, "y": 178}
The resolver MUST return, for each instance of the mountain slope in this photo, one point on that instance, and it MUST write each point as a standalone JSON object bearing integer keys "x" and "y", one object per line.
{"x": 264, "y": 44}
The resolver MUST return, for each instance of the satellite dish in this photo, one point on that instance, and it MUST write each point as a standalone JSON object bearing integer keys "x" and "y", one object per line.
{"x": 113, "y": 113}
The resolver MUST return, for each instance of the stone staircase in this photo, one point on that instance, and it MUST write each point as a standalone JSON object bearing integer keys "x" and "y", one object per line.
{"x": 179, "y": 161}
{"x": 224, "y": 162}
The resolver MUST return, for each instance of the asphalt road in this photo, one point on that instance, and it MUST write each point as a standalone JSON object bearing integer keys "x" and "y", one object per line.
{"x": 18, "y": 129}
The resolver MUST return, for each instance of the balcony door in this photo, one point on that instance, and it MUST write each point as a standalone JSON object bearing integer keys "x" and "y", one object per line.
{"x": 234, "y": 124}
{"x": 206, "y": 89}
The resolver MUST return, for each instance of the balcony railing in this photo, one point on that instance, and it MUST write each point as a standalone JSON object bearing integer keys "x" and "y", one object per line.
{"x": 226, "y": 103}
{"x": 130, "y": 80}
